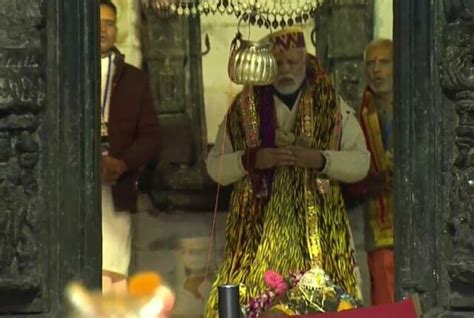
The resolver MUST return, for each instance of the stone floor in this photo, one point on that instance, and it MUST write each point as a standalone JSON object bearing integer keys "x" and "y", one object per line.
{"x": 176, "y": 245}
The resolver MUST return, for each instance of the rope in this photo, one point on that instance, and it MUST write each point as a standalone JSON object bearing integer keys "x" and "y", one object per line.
{"x": 216, "y": 203}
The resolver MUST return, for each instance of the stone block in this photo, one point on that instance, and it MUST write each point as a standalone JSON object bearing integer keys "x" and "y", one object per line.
{"x": 177, "y": 140}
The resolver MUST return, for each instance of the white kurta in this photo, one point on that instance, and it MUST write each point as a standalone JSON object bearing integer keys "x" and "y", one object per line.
{"x": 116, "y": 225}
{"x": 350, "y": 164}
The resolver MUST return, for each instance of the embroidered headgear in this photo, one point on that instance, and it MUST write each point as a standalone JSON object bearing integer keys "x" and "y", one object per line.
{"x": 287, "y": 39}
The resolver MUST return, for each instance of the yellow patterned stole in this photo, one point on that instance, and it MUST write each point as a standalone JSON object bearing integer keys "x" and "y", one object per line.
{"x": 299, "y": 227}
{"x": 380, "y": 209}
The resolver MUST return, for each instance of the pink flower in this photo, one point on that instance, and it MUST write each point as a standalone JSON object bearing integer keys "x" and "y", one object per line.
{"x": 273, "y": 279}
{"x": 281, "y": 288}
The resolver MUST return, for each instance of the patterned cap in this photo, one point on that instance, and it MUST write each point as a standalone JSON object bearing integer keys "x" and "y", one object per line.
{"x": 287, "y": 39}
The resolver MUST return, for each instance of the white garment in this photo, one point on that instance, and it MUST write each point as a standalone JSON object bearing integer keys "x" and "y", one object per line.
{"x": 106, "y": 84}
{"x": 116, "y": 236}
{"x": 350, "y": 164}
{"x": 116, "y": 225}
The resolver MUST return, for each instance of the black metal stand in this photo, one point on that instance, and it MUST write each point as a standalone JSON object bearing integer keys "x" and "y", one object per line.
{"x": 228, "y": 300}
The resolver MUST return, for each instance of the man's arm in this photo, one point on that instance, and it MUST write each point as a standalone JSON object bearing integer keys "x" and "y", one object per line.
{"x": 352, "y": 162}
{"x": 146, "y": 143}
{"x": 223, "y": 164}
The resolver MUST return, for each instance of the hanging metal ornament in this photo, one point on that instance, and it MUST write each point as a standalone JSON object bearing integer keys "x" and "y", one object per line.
{"x": 251, "y": 62}
{"x": 280, "y": 12}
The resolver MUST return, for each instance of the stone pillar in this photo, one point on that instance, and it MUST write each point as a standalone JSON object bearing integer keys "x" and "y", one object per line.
{"x": 434, "y": 177}
{"x": 172, "y": 55}
{"x": 340, "y": 46}
{"x": 49, "y": 206}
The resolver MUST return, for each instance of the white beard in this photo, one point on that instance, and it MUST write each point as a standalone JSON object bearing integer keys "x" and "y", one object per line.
{"x": 288, "y": 88}
{"x": 290, "y": 85}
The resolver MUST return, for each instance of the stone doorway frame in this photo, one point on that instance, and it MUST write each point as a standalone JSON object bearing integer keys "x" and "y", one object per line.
{"x": 434, "y": 95}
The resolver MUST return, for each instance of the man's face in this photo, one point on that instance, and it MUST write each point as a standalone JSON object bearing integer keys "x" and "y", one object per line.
{"x": 108, "y": 29}
{"x": 291, "y": 70}
{"x": 379, "y": 69}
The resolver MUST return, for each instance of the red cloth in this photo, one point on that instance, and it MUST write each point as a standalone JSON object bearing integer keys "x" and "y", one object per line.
{"x": 355, "y": 191}
{"x": 405, "y": 309}
{"x": 381, "y": 276}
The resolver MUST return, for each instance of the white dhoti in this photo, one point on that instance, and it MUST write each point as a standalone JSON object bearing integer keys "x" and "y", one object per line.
{"x": 116, "y": 235}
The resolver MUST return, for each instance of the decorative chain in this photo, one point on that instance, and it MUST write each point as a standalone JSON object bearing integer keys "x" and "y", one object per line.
{"x": 279, "y": 12}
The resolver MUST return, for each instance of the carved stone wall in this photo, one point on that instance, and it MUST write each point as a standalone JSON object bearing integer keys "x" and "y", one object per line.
{"x": 22, "y": 98}
{"x": 434, "y": 176}
{"x": 48, "y": 153}
{"x": 457, "y": 81}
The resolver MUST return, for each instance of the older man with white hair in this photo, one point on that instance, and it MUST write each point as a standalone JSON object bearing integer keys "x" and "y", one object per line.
{"x": 376, "y": 118}
{"x": 285, "y": 147}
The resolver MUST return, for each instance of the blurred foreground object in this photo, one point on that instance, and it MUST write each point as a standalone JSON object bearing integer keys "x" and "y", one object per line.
{"x": 147, "y": 298}
{"x": 228, "y": 301}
